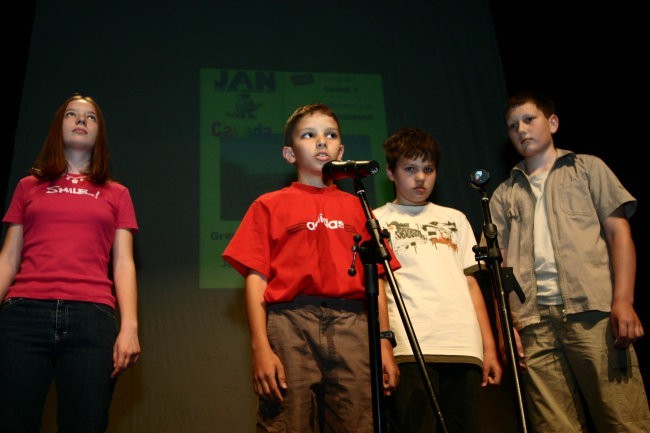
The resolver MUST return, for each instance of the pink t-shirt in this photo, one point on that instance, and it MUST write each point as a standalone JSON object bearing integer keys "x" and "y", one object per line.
{"x": 68, "y": 230}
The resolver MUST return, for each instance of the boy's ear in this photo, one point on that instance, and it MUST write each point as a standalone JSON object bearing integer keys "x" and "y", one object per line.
{"x": 389, "y": 173}
{"x": 554, "y": 122}
{"x": 287, "y": 154}
{"x": 340, "y": 154}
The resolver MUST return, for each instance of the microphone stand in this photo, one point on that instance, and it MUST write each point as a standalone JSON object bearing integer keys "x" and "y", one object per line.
{"x": 503, "y": 282}
{"x": 371, "y": 253}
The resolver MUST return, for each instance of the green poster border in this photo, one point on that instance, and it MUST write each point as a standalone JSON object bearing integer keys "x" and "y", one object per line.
{"x": 242, "y": 114}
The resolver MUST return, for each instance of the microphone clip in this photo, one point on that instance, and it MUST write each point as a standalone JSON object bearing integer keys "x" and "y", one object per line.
{"x": 352, "y": 270}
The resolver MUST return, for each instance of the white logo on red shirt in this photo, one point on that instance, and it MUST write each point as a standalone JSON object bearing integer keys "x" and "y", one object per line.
{"x": 55, "y": 189}
{"x": 333, "y": 225}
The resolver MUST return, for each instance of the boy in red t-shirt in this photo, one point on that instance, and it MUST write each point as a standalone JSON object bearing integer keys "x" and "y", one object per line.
{"x": 307, "y": 316}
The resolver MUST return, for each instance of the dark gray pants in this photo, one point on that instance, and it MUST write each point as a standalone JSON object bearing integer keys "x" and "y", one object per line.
{"x": 324, "y": 346}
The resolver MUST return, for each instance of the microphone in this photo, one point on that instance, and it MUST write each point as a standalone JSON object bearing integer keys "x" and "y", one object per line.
{"x": 479, "y": 178}
{"x": 336, "y": 170}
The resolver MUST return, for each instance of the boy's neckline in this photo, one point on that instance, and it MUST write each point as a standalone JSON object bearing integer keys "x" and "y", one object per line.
{"x": 410, "y": 205}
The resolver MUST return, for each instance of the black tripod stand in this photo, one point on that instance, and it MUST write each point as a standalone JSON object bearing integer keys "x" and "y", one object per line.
{"x": 372, "y": 253}
{"x": 503, "y": 282}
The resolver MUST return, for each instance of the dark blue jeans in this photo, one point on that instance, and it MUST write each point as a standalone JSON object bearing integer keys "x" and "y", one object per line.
{"x": 66, "y": 341}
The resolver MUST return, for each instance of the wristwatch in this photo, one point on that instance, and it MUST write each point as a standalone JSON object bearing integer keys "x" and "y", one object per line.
{"x": 390, "y": 336}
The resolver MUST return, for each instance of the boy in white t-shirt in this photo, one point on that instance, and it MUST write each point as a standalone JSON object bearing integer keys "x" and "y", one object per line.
{"x": 434, "y": 244}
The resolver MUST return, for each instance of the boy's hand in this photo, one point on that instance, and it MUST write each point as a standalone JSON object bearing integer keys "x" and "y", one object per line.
{"x": 626, "y": 325}
{"x": 492, "y": 371}
{"x": 269, "y": 379}
{"x": 389, "y": 367}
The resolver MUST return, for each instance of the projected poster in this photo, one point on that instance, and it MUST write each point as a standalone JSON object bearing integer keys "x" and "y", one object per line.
{"x": 242, "y": 116}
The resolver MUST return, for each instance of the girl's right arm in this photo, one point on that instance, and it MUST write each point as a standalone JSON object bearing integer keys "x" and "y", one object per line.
{"x": 10, "y": 257}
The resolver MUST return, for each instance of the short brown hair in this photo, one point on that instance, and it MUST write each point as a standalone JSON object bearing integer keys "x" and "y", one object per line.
{"x": 411, "y": 143}
{"x": 301, "y": 112}
{"x": 544, "y": 103}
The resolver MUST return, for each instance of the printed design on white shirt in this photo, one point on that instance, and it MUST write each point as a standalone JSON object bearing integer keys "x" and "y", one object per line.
{"x": 407, "y": 235}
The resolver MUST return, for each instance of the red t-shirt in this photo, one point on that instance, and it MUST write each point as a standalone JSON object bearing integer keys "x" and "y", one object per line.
{"x": 68, "y": 231}
{"x": 301, "y": 238}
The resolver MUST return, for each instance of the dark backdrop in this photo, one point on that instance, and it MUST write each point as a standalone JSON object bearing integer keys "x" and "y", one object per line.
{"x": 440, "y": 69}
{"x": 194, "y": 374}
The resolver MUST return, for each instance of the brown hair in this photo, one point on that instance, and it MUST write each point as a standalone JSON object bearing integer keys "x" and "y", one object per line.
{"x": 301, "y": 112}
{"x": 411, "y": 143}
{"x": 542, "y": 102}
{"x": 51, "y": 163}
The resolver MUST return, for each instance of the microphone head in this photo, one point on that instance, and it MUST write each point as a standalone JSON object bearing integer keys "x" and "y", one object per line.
{"x": 336, "y": 170}
{"x": 479, "y": 178}
{"x": 328, "y": 170}
{"x": 367, "y": 168}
